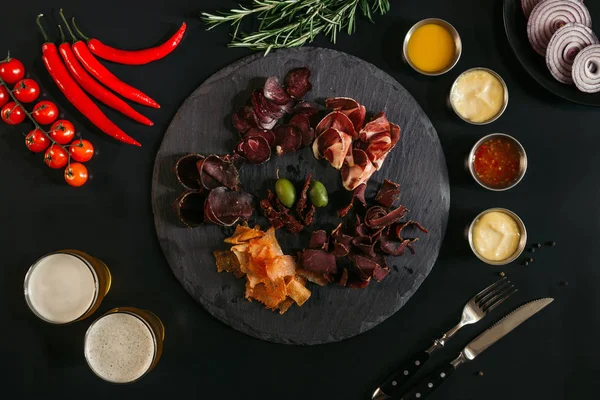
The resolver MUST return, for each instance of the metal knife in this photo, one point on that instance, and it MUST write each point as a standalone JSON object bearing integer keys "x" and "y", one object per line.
{"x": 476, "y": 347}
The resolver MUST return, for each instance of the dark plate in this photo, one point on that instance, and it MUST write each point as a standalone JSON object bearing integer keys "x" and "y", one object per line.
{"x": 203, "y": 125}
{"x": 515, "y": 25}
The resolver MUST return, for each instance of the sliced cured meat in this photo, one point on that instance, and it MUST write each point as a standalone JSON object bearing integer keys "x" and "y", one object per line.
{"x": 337, "y": 120}
{"x": 305, "y": 213}
{"x": 244, "y": 119}
{"x": 255, "y": 149}
{"x": 398, "y": 228}
{"x": 358, "y": 194}
{"x": 333, "y": 145}
{"x": 288, "y": 138}
{"x": 319, "y": 240}
{"x": 297, "y": 82}
{"x": 393, "y": 247}
{"x": 377, "y": 220}
{"x": 226, "y": 260}
{"x": 378, "y": 150}
{"x": 263, "y": 108}
{"x": 215, "y": 171}
{"x": 379, "y": 124}
{"x": 187, "y": 172}
{"x": 225, "y": 207}
{"x": 190, "y": 208}
{"x": 341, "y": 103}
{"x": 279, "y": 215}
{"x": 359, "y": 171}
{"x": 380, "y": 272}
{"x": 318, "y": 261}
{"x": 274, "y": 92}
{"x": 350, "y": 107}
{"x": 306, "y": 108}
{"x": 302, "y": 122}
{"x": 344, "y": 277}
{"x": 388, "y": 193}
{"x": 267, "y": 134}
{"x": 365, "y": 245}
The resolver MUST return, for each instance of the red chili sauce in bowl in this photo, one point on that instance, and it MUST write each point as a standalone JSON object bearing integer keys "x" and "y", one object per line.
{"x": 497, "y": 162}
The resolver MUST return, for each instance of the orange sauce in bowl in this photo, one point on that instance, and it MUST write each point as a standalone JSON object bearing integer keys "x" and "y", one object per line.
{"x": 431, "y": 48}
{"x": 497, "y": 162}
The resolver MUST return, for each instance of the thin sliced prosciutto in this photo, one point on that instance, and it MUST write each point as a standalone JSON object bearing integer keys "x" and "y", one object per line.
{"x": 357, "y": 171}
{"x": 333, "y": 144}
{"x": 350, "y": 107}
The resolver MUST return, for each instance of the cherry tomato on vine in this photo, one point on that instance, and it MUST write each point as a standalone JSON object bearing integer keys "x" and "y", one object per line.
{"x": 26, "y": 90}
{"x": 12, "y": 113}
{"x": 45, "y": 112}
{"x": 4, "y": 96}
{"x": 76, "y": 174}
{"x": 56, "y": 157}
{"x": 37, "y": 141}
{"x": 62, "y": 131}
{"x": 12, "y": 70}
{"x": 81, "y": 150}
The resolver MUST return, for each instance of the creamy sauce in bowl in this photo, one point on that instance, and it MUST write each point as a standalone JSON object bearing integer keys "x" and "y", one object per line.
{"x": 478, "y": 96}
{"x": 496, "y": 236}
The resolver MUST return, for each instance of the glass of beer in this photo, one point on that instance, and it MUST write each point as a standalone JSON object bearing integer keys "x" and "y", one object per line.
{"x": 124, "y": 344}
{"x": 66, "y": 286}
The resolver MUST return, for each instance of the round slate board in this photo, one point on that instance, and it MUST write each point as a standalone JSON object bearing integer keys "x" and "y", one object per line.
{"x": 333, "y": 313}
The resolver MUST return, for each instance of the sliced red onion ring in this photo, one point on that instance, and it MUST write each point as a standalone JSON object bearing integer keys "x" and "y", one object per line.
{"x": 528, "y": 5}
{"x": 564, "y": 46}
{"x": 550, "y": 15}
{"x": 586, "y": 69}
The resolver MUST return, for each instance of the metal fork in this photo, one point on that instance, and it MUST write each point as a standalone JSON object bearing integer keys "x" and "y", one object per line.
{"x": 475, "y": 309}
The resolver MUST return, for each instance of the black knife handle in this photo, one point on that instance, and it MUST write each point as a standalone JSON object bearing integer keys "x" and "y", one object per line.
{"x": 430, "y": 383}
{"x": 393, "y": 384}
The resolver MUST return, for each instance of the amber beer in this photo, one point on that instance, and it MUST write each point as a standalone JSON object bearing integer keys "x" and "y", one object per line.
{"x": 124, "y": 344}
{"x": 66, "y": 286}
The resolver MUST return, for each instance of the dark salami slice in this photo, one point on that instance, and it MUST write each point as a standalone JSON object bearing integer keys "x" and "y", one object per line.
{"x": 225, "y": 207}
{"x": 255, "y": 149}
{"x": 215, "y": 172}
{"x": 307, "y": 108}
{"x": 190, "y": 208}
{"x": 288, "y": 139}
{"x": 297, "y": 82}
{"x": 244, "y": 119}
{"x": 275, "y": 92}
{"x": 187, "y": 172}
{"x": 265, "y": 133}
{"x": 303, "y": 123}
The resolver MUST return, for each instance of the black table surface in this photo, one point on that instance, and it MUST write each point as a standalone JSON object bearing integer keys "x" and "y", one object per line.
{"x": 553, "y": 356}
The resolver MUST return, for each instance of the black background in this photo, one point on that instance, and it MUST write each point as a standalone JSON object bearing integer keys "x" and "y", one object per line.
{"x": 550, "y": 357}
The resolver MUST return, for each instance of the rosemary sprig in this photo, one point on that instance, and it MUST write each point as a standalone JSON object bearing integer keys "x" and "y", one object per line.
{"x": 293, "y": 23}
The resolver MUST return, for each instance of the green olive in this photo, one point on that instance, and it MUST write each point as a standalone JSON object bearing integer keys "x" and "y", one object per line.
{"x": 286, "y": 192}
{"x": 318, "y": 194}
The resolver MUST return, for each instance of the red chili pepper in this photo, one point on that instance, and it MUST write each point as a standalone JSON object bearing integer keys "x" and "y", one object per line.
{"x": 133, "y": 57}
{"x": 86, "y": 81}
{"x": 100, "y": 72}
{"x": 75, "y": 94}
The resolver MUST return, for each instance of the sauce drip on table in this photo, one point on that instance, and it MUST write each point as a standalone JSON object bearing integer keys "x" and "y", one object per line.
{"x": 497, "y": 162}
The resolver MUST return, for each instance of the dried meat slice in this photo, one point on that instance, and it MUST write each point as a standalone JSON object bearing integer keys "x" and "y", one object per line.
{"x": 378, "y": 220}
{"x": 358, "y": 194}
{"x": 190, "y": 208}
{"x": 297, "y": 82}
{"x": 318, "y": 261}
{"x": 302, "y": 122}
{"x": 186, "y": 171}
{"x": 274, "y": 92}
{"x": 244, "y": 119}
{"x": 265, "y": 133}
{"x": 228, "y": 261}
{"x": 319, "y": 240}
{"x": 333, "y": 145}
{"x": 359, "y": 171}
{"x": 255, "y": 149}
{"x": 215, "y": 171}
{"x": 288, "y": 138}
{"x": 388, "y": 193}
{"x": 225, "y": 207}
{"x": 379, "y": 124}
{"x": 337, "y": 120}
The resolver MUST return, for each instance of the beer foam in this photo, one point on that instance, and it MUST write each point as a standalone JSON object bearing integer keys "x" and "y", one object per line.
{"x": 60, "y": 288}
{"x": 119, "y": 347}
